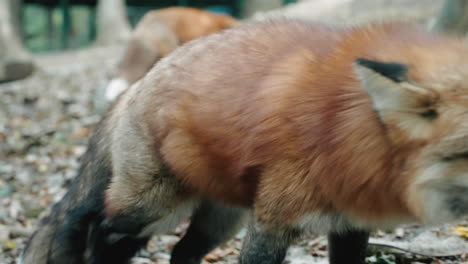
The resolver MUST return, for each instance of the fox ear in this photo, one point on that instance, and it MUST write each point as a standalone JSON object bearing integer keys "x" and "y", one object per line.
{"x": 393, "y": 71}
{"x": 387, "y": 86}
{"x": 395, "y": 100}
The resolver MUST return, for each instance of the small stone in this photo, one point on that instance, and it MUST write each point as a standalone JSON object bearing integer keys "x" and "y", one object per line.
{"x": 399, "y": 232}
{"x": 139, "y": 260}
{"x": 162, "y": 256}
{"x": 4, "y": 233}
{"x": 5, "y": 189}
{"x": 168, "y": 240}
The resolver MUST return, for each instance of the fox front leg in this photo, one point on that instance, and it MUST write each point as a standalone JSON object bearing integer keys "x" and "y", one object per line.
{"x": 265, "y": 245}
{"x": 348, "y": 247}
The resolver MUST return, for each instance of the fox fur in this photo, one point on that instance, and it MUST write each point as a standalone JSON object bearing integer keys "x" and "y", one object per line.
{"x": 304, "y": 127}
{"x": 157, "y": 34}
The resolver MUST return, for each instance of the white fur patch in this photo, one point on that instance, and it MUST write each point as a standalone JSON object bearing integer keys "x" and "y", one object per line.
{"x": 115, "y": 88}
{"x": 429, "y": 202}
{"x": 324, "y": 223}
{"x": 429, "y": 199}
{"x": 435, "y": 208}
{"x": 338, "y": 223}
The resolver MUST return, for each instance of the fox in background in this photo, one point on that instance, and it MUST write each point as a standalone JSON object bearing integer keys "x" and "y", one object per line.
{"x": 157, "y": 34}
{"x": 297, "y": 127}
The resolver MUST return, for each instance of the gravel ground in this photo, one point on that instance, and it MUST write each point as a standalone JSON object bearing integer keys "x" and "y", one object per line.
{"x": 45, "y": 122}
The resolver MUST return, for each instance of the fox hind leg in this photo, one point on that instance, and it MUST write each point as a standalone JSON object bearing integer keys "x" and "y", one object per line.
{"x": 106, "y": 247}
{"x": 153, "y": 203}
{"x": 123, "y": 233}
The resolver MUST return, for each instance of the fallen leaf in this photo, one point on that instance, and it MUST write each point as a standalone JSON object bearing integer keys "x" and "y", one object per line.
{"x": 462, "y": 231}
{"x": 83, "y": 132}
{"x": 10, "y": 244}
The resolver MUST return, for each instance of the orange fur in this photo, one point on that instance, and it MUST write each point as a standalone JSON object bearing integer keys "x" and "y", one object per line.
{"x": 275, "y": 117}
{"x": 160, "y": 31}
{"x": 328, "y": 130}
{"x": 190, "y": 23}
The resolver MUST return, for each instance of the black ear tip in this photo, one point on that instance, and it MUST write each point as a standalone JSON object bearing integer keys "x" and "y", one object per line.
{"x": 361, "y": 61}
{"x": 395, "y": 71}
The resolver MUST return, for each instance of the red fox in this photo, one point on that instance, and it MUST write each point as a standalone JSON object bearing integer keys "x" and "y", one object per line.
{"x": 157, "y": 34}
{"x": 296, "y": 126}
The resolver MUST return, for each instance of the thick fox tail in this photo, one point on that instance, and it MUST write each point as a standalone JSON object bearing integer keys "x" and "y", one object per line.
{"x": 63, "y": 235}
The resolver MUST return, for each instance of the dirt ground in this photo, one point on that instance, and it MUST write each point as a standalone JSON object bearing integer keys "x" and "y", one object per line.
{"x": 45, "y": 122}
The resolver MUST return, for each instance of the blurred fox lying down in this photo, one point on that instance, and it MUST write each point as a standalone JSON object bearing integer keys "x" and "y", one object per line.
{"x": 157, "y": 34}
{"x": 296, "y": 126}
